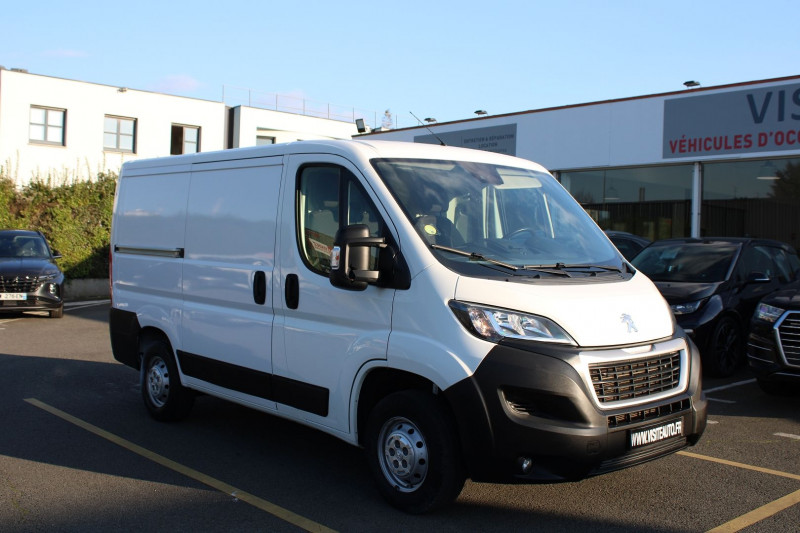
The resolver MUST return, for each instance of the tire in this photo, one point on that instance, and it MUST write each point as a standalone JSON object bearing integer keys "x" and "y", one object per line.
{"x": 724, "y": 351}
{"x": 417, "y": 426}
{"x": 164, "y": 396}
{"x": 57, "y": 313}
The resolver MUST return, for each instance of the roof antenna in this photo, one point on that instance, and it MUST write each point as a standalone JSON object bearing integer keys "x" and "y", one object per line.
{"x": 427, "y": 128}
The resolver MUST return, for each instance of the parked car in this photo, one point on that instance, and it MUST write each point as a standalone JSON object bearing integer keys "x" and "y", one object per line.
{"x": 30, "y": 280}
{"x": 627, "y": 243}
{"x": 773, "y": 348}
{"x": 713, "y": 286}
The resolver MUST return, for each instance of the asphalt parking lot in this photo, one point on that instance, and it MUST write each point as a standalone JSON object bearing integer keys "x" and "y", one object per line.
{"x": 78, "y": 452}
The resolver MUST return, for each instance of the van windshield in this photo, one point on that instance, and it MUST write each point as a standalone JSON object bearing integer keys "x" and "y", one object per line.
{"x": 513, "y": 219}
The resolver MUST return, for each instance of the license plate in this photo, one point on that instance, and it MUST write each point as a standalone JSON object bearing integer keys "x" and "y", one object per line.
{"x": 654, "y": 434}
{"x": 13, "y": 296}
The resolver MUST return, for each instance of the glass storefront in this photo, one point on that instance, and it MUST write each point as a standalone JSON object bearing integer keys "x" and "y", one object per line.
{"x": 757, "y": 198}
{"x": 752, "y": 198}
{"x": 654, "y": 202}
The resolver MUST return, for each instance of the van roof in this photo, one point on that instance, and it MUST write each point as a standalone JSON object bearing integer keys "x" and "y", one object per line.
{"x": 363, "y": 150}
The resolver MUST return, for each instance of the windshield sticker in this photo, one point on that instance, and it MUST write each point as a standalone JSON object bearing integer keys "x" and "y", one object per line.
{"x": 320, "y": 247}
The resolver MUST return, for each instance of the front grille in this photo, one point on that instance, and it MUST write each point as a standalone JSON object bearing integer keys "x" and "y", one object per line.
{"x": 789, "y": 336}
{"x": 19, "y": 283}
{"x": 634, "y": 379}
{"x": 643, "y": 415}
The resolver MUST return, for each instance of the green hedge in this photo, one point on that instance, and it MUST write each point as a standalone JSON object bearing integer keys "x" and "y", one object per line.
{"x": 75, "y": 218}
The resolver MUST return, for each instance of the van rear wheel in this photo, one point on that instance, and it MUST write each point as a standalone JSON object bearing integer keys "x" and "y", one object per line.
{"x": 164, "y": 396}
{"x": 413, "y": 452}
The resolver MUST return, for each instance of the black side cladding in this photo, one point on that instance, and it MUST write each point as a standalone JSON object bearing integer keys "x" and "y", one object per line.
{"x": 124, "y": 329}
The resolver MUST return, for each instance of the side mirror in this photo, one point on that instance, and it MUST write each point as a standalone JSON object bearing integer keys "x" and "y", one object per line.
{"x": 350, "y": 258}
{"x": 56, "y": 254}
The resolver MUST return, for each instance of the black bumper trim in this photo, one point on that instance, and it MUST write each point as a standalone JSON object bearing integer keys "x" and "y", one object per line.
{"x": 561, "y": 430}
{"x": 124, "y": 329}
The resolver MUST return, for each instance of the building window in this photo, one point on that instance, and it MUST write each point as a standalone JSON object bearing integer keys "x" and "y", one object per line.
{"x": 757, "y": 198}
{"x": 654, "y": 202}
{"x": 185, "y": 139}
{"x": 261, "y": 140}
{"x": 47, "y": 125}
{"x": 119, "y": 134}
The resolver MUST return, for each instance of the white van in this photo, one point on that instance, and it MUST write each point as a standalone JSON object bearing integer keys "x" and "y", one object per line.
{"x": 455, "y": 312}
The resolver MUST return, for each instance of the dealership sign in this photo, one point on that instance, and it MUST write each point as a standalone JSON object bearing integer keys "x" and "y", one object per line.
{"x": 754, "y": 120}
{"x": 498, "y": 139}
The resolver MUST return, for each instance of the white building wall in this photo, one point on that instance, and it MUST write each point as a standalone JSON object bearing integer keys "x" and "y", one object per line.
{"x": 86, "y": 105}
{"x": 250, "y": 122}
{"x": 617, "y": 133}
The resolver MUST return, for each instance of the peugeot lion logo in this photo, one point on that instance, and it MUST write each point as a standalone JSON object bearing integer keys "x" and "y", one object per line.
{"x": 628, "y": 321}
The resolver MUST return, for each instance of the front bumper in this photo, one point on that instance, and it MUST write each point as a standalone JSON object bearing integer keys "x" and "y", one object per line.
{"x": 766, "y": 358}
{"x": 43, "y": 299}
{"x": 539, "y": 419}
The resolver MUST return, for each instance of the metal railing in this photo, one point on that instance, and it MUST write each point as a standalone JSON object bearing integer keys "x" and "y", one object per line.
{"x": 233, "y": 96}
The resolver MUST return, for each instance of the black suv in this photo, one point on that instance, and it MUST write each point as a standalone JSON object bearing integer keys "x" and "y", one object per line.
{"x": 713, "y": 286}
{"x": 627, "y": 243}
{"x": 30, "y": 280}
{"x": 773, "y": 349}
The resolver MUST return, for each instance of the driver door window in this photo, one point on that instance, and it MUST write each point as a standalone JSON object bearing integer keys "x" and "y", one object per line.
{"x": 330, "y": 198}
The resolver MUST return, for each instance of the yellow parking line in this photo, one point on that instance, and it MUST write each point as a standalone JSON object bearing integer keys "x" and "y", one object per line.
{"x": 756, "y": 515}
{"x": 740, "y": 465}
{"x": 759, "y": 514}
{"x": 264, "y": 505}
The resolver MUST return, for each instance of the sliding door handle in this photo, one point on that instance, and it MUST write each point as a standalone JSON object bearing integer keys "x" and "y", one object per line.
{"x": 260, "y": 287}
{"x": 292, "y": 291}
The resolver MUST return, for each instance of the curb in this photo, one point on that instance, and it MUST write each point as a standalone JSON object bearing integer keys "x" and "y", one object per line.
{"x": 86, "y": 289}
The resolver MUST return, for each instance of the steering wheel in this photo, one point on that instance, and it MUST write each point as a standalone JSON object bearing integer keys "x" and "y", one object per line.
{"x": 521, "y": 231}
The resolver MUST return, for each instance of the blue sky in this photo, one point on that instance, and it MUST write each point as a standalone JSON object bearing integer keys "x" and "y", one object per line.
{"x": 441, "y": 59}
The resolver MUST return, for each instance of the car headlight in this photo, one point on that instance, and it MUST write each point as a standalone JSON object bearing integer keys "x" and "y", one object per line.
{"x": 686, "y": 308}
{"x": 493, "y": 324}
{"x": 768, "y": 313}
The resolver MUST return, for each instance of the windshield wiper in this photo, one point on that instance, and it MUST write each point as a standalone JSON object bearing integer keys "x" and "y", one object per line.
{"x": 474, "y": 256}
{"x": 555, "y": 270}
{"x": 607, "y": 268}
{"x": 565, "y": 269}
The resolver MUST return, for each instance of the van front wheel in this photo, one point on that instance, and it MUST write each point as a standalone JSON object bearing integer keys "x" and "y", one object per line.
{"x": 413, "y": 452}
{"x": 164, "y": 396}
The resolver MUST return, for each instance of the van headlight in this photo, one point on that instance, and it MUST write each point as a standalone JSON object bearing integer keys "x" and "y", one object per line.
{"x": 493, "y": 324}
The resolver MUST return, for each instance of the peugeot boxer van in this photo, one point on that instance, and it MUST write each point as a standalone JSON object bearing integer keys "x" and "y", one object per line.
{"x": 454, "y": 312}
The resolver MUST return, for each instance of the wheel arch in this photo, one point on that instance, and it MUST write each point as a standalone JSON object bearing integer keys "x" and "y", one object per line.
{"x": 725, "y": 366}
{"x": 147, "y": 335}
{"x": 151, "y": 333}
{"x": 381, "y": 382}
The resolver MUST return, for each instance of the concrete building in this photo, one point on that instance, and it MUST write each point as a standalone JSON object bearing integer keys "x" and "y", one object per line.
{"x": 705, "y": 161}
{"x": 62, "y": 130}
{"x": 715, "y": 161}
